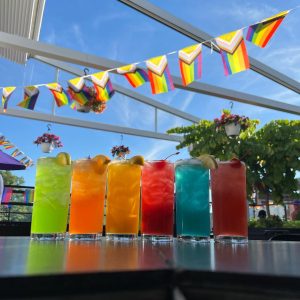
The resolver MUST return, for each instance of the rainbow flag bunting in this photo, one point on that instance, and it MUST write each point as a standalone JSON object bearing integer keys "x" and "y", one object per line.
{"x": 190, "y": 63}
{"x": 16, "y": 153}
{"x": 61, "y": 97}
{"x": 135, "y": 76}
{"x": 261, "y": 33}
{"x": 73, "y": 105}
{"x": 103, "y": 86}
{"x": 159, "y": 75}
{"x": 6, "y": 93}
{"x": 7, "y": 194}
{"x": 28, "y": 195}
{"x": 233, "y": 51}
{"x": 31, "y": 94}
{"x": 7, "y": 145}
{"x": 78, "y": 90}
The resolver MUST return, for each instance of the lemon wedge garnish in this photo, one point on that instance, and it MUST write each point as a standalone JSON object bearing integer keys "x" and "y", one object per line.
{"x": 137, "y": 160}
{"x": 63, "y": 158}
{"x": 208, "y": 161}
{"x": 101, "y": 162}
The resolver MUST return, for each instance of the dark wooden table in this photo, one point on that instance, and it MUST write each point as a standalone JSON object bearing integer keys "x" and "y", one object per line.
{"x": 142, "y": 270}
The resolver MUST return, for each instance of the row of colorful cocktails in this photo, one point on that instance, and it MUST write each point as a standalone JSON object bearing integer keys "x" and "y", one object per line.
{"x": 149, "y": 198}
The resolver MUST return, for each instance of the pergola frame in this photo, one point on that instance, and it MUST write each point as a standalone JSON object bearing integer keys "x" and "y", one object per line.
{"x": 54, "y": 56}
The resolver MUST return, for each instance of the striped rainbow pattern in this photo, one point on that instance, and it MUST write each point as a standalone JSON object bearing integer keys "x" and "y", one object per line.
{"x": 31, "y": 94}
{"x": 6, "y": 93}
{"x": 103, "y": 86}
{"x": 135, "y": 76}
{"x": 78, "y": 90}
{"x": 28, "y": 195}
{"x": 190, "y": 63}
{"x": 233, "y": 52}
{"x": 7, "y": 194}
{"x": 7, "y": 145}
{"x": 61, "y": 97}
{"x": 159, "y": 75}
{"x": 261, "y": 33}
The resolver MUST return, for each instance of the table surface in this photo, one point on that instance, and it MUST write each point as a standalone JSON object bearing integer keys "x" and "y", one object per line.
{"x": 20, "y": 256}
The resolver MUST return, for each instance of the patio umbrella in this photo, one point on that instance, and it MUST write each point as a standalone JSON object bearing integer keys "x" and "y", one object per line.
{"x": 8, "y": 162}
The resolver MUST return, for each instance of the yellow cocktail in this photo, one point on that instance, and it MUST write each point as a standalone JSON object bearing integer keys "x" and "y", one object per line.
{"x": 123, "y": 198}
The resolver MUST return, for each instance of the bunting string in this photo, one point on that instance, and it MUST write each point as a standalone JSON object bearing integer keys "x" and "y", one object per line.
{"x": 232, "y": 48}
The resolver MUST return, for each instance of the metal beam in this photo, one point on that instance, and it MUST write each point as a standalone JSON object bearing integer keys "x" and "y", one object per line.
{"x": 200, "y": 36}
{"x": 27, "y": 114}
{"x": 126, "y": 92}
{"x": 42, "y": 49}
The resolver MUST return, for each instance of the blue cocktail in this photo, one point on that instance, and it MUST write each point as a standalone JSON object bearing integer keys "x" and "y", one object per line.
{"x": 192, "y": 200}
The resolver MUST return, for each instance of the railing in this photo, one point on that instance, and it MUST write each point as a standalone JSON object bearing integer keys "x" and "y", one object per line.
{"x": 15, "y": 210}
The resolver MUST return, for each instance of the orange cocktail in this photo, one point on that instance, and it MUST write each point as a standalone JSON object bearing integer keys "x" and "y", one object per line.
{"x": 87, "y": 199}
{"x": 123, "y": 199}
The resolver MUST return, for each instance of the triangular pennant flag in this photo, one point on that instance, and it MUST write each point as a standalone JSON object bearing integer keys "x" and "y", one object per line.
{"x": 76, "y": 84}
{"x": 60, "y": 95}
{"x": 159, "y": 75}
{"x": 135, "y": 76}
{"x": 6, "y": 93}
{"x": 103, "y": 86}
{"x": 190, "y": 63}
{"x": 261, "y": 33}
{"x": 7, "y": 145}
{"x": 31, "y": 94}
{"x": 233, "y": 51}
{"x": 78, "y": 91}
{"x": 16, "y": 153}
{"x": 25, "y": 158}
{"x": 73, "y": 105}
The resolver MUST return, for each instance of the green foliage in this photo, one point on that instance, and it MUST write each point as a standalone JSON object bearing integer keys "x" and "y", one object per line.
{"x": 269, "y": 222}
{"x": 271, "y": 153}
{"x": 10, "y": 179}
{"x": 291, "y": 224}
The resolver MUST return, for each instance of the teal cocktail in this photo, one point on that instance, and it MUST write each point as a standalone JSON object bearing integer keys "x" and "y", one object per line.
{"x": 192, "y": 200}
{"x": 51, "y": 197}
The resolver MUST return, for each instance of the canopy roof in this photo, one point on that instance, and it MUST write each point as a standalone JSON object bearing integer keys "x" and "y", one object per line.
{"x": 21, "y": 18}
{"x": 8, "y": 162}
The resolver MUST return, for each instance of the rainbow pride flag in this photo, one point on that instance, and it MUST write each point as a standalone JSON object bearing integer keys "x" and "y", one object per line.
{"x": 261, "y": 33}
{"x": 7, "y": 194}
{"x": 16, "y": 153}
{"x": 78, "y": 90}
{"x": 61, "y": 97}
{"x": 190, "y": 63}
{"x": 135, "y": 76}
{"x": 7, "y": 145}
{"x": 31, "y": 94}
{"x": 159, "y": 75}
{"x": 28, "y": 195}
{"x": 233, "y": 51}
{"x": 6, "y": 93}
{"x": 103, "y": 86}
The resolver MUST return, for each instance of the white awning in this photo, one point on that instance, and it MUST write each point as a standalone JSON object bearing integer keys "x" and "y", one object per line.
{"x": 22, "y": 18}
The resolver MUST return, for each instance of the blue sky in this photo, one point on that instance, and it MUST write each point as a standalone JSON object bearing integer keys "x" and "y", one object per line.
{"x": 113, "y": 30}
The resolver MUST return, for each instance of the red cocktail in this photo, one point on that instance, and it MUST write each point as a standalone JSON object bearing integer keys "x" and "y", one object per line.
{"x": 229, "y": 200}
{"x": 158, "y": 200}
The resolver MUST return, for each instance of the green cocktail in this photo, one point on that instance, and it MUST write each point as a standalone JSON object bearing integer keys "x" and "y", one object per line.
{"x": 51, "y": 197}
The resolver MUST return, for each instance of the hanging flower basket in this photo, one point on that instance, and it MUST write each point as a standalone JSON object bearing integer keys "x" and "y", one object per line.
{"x": 232, "y": 129}
{"x": 47, "y": 147}
{"x": 93, "y": 104}
{"x": 120, "y": 152}
{"x": 82, "y": 108}
{"x": 233, "y": 124}
{"x": 48, "y": 142}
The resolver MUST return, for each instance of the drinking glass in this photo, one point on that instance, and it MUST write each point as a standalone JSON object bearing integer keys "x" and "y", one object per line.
{"x": 158, "y": 200}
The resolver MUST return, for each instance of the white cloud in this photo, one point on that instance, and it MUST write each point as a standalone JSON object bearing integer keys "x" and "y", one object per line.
{"x": 76, "y": 31}
{"x": 51, "y": 37}
{"x": 158, "y": 149}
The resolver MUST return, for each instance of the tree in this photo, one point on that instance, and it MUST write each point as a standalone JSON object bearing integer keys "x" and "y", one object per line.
{"x": 10, "y": 179}
{"x": 271, "y": 153}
